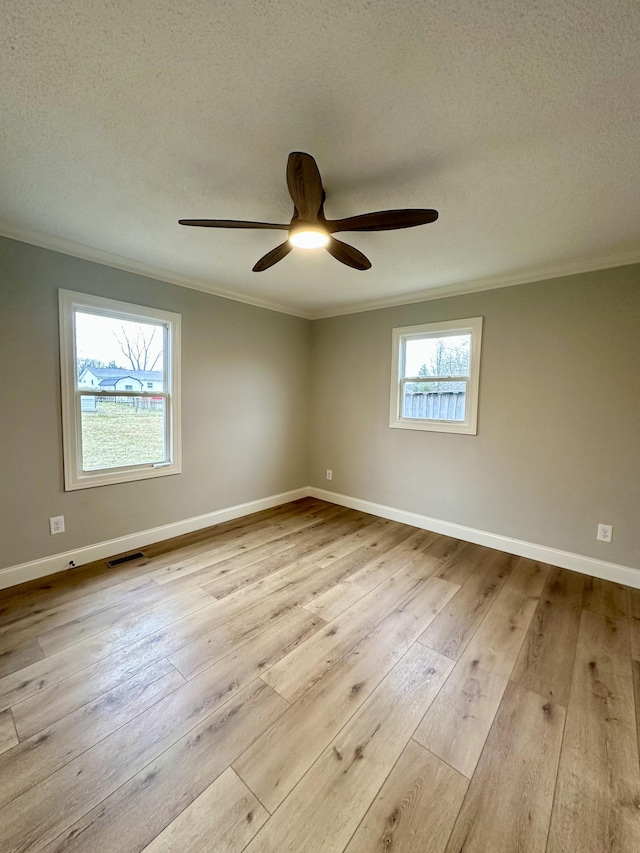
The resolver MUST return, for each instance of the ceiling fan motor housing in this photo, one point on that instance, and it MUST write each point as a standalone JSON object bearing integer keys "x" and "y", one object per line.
{"x": 307, "y": 235}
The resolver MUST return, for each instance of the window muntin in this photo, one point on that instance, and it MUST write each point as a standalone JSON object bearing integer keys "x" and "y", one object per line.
{"x": 114, "y": 429}
{"x": 435, "y": 376}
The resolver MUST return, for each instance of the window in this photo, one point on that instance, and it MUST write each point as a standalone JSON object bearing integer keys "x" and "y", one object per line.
{"x": 435, "y": 376}
{"x": 149, "y": 384}
{"x": 113, "y": 431}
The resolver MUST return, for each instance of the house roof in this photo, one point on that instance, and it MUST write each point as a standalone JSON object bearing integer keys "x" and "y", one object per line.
{"x": 116, "y": 373}
{"x": 517, "y": 121}
{"x": 106, "y": 383}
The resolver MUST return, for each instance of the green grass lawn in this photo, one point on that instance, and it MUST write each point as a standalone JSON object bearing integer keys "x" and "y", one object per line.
{"x": 117, "y": 435}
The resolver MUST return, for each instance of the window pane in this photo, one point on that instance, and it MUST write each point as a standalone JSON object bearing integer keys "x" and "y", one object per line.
{"x": 449, "y": 355}
{"x": 442, "y": 401}
{"x": 118, "y": 355}
{"x": 119, "y": 431}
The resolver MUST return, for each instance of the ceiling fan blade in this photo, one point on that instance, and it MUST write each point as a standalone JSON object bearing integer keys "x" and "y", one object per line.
{"x": 348, "y": 255}
{"x": 273, "y": 256}
{"x": 305, "y": 184}
{"x": 383, "y": 220}
{"x": 231, "y": 223}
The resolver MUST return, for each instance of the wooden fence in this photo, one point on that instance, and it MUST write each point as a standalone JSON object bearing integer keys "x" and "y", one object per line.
{"x": 447, "y": 406}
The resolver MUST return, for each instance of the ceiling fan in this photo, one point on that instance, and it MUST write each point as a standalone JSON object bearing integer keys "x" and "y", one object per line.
{"x": 310, "y": 229}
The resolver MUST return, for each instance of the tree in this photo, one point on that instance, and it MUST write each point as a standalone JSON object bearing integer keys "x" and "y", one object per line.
{"x": 447, "y": 360}
{"x": 137, "y": 347}
{"x": 451, "y": 360}
{"x": 88, "y": 362}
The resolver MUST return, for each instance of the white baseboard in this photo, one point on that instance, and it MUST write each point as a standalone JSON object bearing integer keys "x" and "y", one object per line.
{"x": 565, "y": 559}
{"x": 101, "y": 550}
{"x": 58, "y": 562}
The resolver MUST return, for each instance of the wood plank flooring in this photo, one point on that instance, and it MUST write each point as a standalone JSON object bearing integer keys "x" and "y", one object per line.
{"x": 317, "y": 680}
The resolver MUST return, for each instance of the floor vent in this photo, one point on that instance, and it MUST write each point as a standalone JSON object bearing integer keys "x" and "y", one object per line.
{"x": 119, "y": 560}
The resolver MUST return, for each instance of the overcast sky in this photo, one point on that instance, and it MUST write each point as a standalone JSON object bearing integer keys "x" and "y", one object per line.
{"x": 95, "y": 338}
{"x": 422, "y": 350}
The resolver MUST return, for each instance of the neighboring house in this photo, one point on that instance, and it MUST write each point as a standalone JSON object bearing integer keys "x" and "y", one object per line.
{"x": 119, "y": 379}
{"x": 122, "y": 383}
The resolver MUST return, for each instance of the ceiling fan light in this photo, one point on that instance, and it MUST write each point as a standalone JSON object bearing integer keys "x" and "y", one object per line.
{"x": 309, "y": 238}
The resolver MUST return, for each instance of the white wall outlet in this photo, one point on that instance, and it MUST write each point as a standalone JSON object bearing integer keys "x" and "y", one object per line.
{"x": 56, "y": 525}
{"x": 605, "y": 532}
{"x": 329, "y": 474}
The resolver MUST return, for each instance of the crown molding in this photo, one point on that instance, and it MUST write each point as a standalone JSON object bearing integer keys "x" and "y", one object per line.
{"x": 89, "y": 253}
{"x": 530, "y": 276}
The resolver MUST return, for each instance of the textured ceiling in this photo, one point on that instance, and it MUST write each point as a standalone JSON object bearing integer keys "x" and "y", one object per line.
{"x": 518, "y": 121}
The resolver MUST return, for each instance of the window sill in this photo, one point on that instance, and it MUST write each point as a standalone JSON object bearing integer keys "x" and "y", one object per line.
{"x": 436, "y": 426}
{"x": 109, "y": 478}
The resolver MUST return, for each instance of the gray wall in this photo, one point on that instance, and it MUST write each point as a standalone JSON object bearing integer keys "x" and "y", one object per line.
{"x": 558, "y": 444}
{"x": 557, "y": 451}
{"x": 233, "y": 450}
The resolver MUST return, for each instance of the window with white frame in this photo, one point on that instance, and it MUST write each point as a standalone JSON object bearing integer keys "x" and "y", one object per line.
{"x": 435, "y": 376}
{"x": 113, "y": 430}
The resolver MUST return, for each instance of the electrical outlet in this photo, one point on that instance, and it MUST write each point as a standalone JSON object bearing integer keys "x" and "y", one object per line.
{"x": 605, "y": 532}
{"x": 329, "y": 474}
{"x": 56, "y": 525}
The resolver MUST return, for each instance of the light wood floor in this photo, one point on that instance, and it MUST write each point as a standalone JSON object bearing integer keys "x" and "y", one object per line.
{"x": 313, "y": 678}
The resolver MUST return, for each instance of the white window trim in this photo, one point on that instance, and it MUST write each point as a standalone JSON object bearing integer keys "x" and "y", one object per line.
{"x": 400, "y": 335}
{"x": 74, "y": 476}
